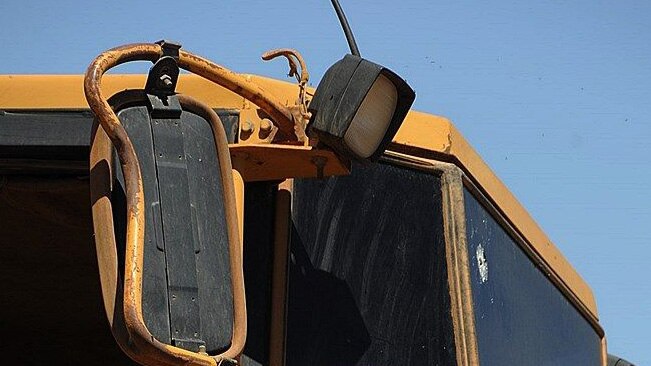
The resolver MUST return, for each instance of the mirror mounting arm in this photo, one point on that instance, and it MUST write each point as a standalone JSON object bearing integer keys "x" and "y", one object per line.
{"x": 280, "y": 115}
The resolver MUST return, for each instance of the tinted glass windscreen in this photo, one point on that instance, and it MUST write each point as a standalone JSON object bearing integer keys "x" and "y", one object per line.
{"x": 521, "y": 317}
{"x": 368, "y": 280}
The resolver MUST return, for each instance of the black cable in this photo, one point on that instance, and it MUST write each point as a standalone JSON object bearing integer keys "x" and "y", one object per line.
{"x": 344, "y": 24}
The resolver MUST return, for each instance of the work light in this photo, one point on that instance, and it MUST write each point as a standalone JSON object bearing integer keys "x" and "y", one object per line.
{"x": 358, "y": 107}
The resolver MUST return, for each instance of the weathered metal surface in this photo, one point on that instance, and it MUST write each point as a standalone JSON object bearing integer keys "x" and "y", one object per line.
{"x": 39, "y": 142}
{"x": 292, "y": 56}
{"x": 299, "y": 109}
{"x": 178, "y": 220}
{"x": 44, "y": 142}
{"x": 520, "y": 316}
{"x": 422, "y": 135}
{"x": 56, "y": 92}
{"x": 368, "y": 274}
{"x": 155, "y": 302}
{"x": 197, "y": 275}
{"x": 188, "y": 61}
{"x": 454, "y": 220}
{"x": 42, "y": 129}
{"x": 238, "y": 339}
{"x": 245, "y": 87}
{"x": 139, "y": 335}
{"x": 140, "y": 344}
{"x": 278, "y": 162}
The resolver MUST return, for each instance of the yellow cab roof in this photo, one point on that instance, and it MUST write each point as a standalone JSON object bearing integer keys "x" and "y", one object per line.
{"x": 421, "y": 132}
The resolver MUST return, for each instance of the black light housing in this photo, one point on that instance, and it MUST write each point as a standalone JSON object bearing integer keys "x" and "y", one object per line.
{"x": 358, "y": 107}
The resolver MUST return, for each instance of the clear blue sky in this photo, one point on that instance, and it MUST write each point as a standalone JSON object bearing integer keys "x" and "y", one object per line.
{"x": 556, "y": 96}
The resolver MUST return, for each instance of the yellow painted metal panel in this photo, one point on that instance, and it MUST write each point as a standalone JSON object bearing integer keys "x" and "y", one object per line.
{"x": 431, "y": 136}
{"x": 67, "y": 91}
{"x": 422, "y": 135}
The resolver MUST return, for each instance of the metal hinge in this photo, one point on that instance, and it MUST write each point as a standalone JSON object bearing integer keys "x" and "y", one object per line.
{"x": 161, "y": 83}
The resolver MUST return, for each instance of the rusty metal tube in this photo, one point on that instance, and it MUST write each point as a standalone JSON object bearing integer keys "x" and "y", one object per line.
{"x": 142, "y": 343}
{"x": 143, "y": 346}
{"x": 292, "y": 56}
{"x": 235, "y": 248}
{"x": 279, "y": 113}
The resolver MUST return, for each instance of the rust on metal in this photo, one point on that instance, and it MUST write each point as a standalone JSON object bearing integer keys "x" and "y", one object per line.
{"x": 140, "y": 344}
{"x": 230, "y": 203}
{"x": 422, "y": 135}
{"x": 299, "y": 110}
{"x": 292, "y": 56}
{"x": 278, "y": 113}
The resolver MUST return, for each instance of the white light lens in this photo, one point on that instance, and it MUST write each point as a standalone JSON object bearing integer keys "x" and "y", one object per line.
{"x": 372, "y": 119}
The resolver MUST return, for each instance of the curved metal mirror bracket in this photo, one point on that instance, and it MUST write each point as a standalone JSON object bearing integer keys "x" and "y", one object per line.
{"x": 128, "y": 325}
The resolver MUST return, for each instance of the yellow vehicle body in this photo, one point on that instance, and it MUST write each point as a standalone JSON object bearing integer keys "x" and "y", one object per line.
{"x": 424, "y": 141}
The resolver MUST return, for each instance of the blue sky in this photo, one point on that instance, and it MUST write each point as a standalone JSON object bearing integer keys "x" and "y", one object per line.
{"x": 556, "y": 96}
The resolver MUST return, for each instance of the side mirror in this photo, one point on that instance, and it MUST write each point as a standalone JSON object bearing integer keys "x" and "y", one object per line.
{"x": 358, "y": 107}
{"x": 166, "y": 225}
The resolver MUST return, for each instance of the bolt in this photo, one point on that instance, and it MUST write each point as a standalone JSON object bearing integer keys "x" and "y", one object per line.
{"x": 166, "y": 81}
{"x": 265, "y": 125}
{"x": 320, "y": 163}
{"x": 265, "y": 128}
{"x": 247, "y": 127}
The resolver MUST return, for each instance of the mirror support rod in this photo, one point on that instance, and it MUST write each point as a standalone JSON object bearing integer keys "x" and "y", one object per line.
{"x": 344, "y": 24}
{"x": 144, "y": 347}
{"x": 276, "y": 109}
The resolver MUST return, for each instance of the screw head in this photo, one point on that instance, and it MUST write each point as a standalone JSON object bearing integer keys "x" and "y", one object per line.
{"x": 265, "y": 124}
{"x": 165, "y": 81}
{"x": 247, "y": 127}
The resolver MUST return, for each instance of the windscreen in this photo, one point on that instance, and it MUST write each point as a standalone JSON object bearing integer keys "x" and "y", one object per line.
{"x": 521, "y": 318}
{"x": 368, "y": 281}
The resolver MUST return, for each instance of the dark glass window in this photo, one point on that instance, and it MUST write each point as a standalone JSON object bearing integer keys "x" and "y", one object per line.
{"x": 521, "y": 317}
{"x": 368, "y": 280}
